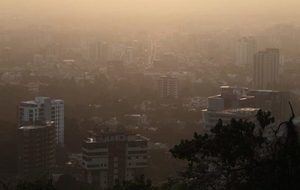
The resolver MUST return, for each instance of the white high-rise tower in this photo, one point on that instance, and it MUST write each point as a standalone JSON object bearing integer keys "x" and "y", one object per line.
{"x": 44, "y": 109}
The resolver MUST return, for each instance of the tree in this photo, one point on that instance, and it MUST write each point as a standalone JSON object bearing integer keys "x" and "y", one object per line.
{"x": 242, "y": 155}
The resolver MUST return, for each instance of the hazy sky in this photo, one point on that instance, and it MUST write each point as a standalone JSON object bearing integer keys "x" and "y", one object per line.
{"x": 150, "y": 7}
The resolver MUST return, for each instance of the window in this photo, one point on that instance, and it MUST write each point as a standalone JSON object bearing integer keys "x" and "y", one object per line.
{"x": 95, "y": 153}
{"x": 137, "y": 152}
{"x": 92, "y": 165}
{"x": 141, "y": 163}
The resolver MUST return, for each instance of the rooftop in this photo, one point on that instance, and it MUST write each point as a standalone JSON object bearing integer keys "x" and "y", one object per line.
{"x": 32, "y": 102}
{"x": 32, "y": 127}
{"x": 265, "y": 91}
{"x": 36, "y": 125}
{"x": 39, "y": 100}
{"x": 130, "y": 137}
{"x": 246, "y": 110}
{"x": 216, "y": 97}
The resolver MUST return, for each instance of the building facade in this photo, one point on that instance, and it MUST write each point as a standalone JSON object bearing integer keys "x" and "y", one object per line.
{"x": 266, "y": 69}
{"x": 36, "y": 149}
{"x": 275, "y": 101}
{"x": 246, "y": 48}
{"x": 242, "y": 103}
{"x": 168, "y": 87}
{"x": 44, "y": 109}
{"x": 114, "y": 157}
{"x": 211, "y": 118}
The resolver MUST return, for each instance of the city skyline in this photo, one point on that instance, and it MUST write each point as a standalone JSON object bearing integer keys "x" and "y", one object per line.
{"x": 149, "y": 94}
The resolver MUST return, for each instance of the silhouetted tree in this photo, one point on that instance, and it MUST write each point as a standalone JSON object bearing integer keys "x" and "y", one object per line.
{"x": 242, "y": 155}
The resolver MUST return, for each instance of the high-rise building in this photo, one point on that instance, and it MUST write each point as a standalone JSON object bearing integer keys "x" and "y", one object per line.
{"x": 9, "y": 154}
{"x": 168, "y": 87}
{"x": 246, "y": 48}
{"x": 36, "y": 149}
{"x": 98, "y": 52}
{"x": 275, "y": 101}
{"x": 113, "y": 157}
{"x": 266, "y": 69}
{"x": 44, "y": 109}
{"x": 127, "y": 56}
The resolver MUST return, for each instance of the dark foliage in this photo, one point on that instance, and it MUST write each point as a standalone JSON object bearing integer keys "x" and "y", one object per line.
{"x": 243, "y": 155}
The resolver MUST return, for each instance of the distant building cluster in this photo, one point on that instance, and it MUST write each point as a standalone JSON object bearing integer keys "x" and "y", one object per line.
{"x": 155, "y": 82}
{"x": 107, "y": 157}
{"x": 242, "y": 103}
